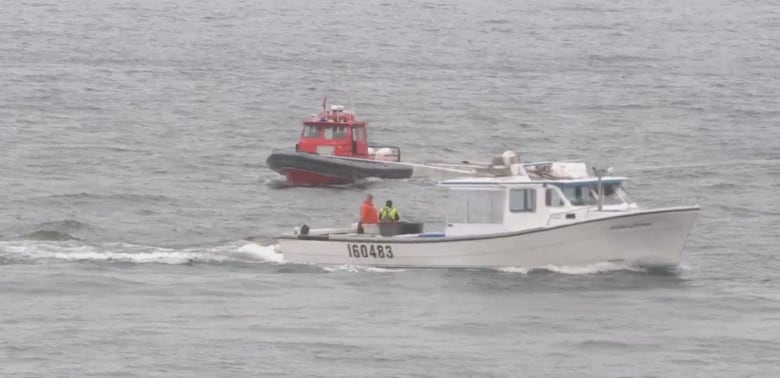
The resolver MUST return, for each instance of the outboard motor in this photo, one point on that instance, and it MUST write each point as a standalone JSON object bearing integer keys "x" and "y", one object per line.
{"x": 301, "y": 230}
{"x": 387, "y": 154}
{"x": 509, "y": 158}
{"x": 512, "y": 163}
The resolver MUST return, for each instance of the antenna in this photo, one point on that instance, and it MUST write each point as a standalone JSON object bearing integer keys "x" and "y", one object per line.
{"x": 351, "y": 103}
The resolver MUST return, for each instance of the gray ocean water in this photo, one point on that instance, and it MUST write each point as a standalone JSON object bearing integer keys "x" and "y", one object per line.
{"x": 137, "y": 216}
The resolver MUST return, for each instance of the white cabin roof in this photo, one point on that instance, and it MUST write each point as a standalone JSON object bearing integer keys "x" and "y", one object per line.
{"x": 487, "y": 181}
{"x": 586, "y": 180}
{"x": 561, "y": 173}
{"x": 517, "y": 180}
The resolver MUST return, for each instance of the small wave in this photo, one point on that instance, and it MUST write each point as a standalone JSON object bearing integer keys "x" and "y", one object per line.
{"x": 67, "y": 225}
{"x": 612, "y": 344}
{"x": 500, "y": 21}
{"x": 580, "y": 8}
{"x": 56, "y": 231}
{"x": 620, "y": 58}
{"x": 437, "y": 6}
{"x": 746, "y": 211}
{"x": 604, "y": 344}
{"x": 133, "y": 197}
{"x": 63, "y": 230}
{"x": 282, "y": 183}
{"x": 712, "y": 165}
{"x": 48, "y": 235}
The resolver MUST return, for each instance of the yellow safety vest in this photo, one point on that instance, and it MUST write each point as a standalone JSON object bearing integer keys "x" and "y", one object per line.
{"x": 388, "y": 214}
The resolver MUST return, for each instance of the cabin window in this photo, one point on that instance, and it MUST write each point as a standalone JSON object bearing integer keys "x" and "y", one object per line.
{"x": 486, "y": 207}
{"x": 613, "y": 194}
{"x": 358, "y": 133}
{"x": 328, "y": 133}
{"x": 552, "y": 198}
{"x": 588, "y": 194}
{"x": 579, "y": 195}
{"x": 340, "y": 132}
{"x": 311, "y": 132}
{"x": 522, "y": 200}
{"x": 476, "y": 207}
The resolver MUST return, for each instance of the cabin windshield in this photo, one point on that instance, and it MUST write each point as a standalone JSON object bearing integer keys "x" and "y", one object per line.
{"x": 339, "y": 132}
{"x": 579, "y": 195}
{"x": 311, "y": 132}
{"x": 358, "y": 133}
{"x": 476, "y": 206}
{"x": 325, "y": 132}
{"x": 614, "y": 194}
{"x": 588, "y": 194}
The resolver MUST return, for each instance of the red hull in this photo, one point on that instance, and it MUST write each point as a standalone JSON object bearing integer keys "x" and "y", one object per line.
{"x": 305, "y": 178}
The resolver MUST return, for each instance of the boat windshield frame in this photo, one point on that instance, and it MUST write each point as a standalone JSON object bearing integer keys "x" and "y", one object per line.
{"x": 585, "y": 192}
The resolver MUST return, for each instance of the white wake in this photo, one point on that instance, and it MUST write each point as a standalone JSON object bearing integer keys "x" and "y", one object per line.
{"x": 594, "y": 268}
{"x": 263, "y": 252}
{"x": 37, "y": 251}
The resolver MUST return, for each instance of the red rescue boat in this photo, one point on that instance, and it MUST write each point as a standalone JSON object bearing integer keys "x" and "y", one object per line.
{"x": 333, "y": 150}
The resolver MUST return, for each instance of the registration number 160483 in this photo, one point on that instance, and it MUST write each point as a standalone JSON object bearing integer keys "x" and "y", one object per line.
{"x": 372, "y": 250}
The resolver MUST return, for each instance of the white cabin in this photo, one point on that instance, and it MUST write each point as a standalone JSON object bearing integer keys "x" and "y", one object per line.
{"x": 519, "y": 202}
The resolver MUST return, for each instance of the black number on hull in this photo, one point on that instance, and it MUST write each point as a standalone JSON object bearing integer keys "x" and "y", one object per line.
{"x": 374, "y": 251}
{"x": 353, "y": 250}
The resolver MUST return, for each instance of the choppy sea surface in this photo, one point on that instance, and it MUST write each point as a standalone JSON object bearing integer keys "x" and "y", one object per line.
{"x": 137, "y": 216}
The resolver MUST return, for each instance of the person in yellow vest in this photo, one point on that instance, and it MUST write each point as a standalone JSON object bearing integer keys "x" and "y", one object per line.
{"x": 389, "y": 213}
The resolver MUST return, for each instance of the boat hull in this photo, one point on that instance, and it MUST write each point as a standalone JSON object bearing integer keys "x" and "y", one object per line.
{"x": 312, "y": 170}
{"x": 650, "y": 238}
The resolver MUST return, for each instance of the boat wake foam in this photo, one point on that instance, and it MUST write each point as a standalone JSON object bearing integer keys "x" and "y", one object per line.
{"x": 30, "y": 251}
{"x": 268, "y": 253}
{"x": 358, "y": 268}
{"x": 595, "y": 268}
{"x": 277, "y": 183}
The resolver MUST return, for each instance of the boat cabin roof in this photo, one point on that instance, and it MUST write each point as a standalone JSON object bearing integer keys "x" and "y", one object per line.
{"x": 589, "y": 180}
{"x": 556, "y": 173}
{"x": 337, "y": 116}
{"x": 518, "y": 180}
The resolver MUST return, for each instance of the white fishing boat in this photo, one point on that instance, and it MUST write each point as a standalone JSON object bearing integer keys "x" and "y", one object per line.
{"x": 524, "y": 215}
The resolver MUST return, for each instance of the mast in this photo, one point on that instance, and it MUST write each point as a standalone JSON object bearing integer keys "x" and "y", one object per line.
{"x": 599, "y": 173}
